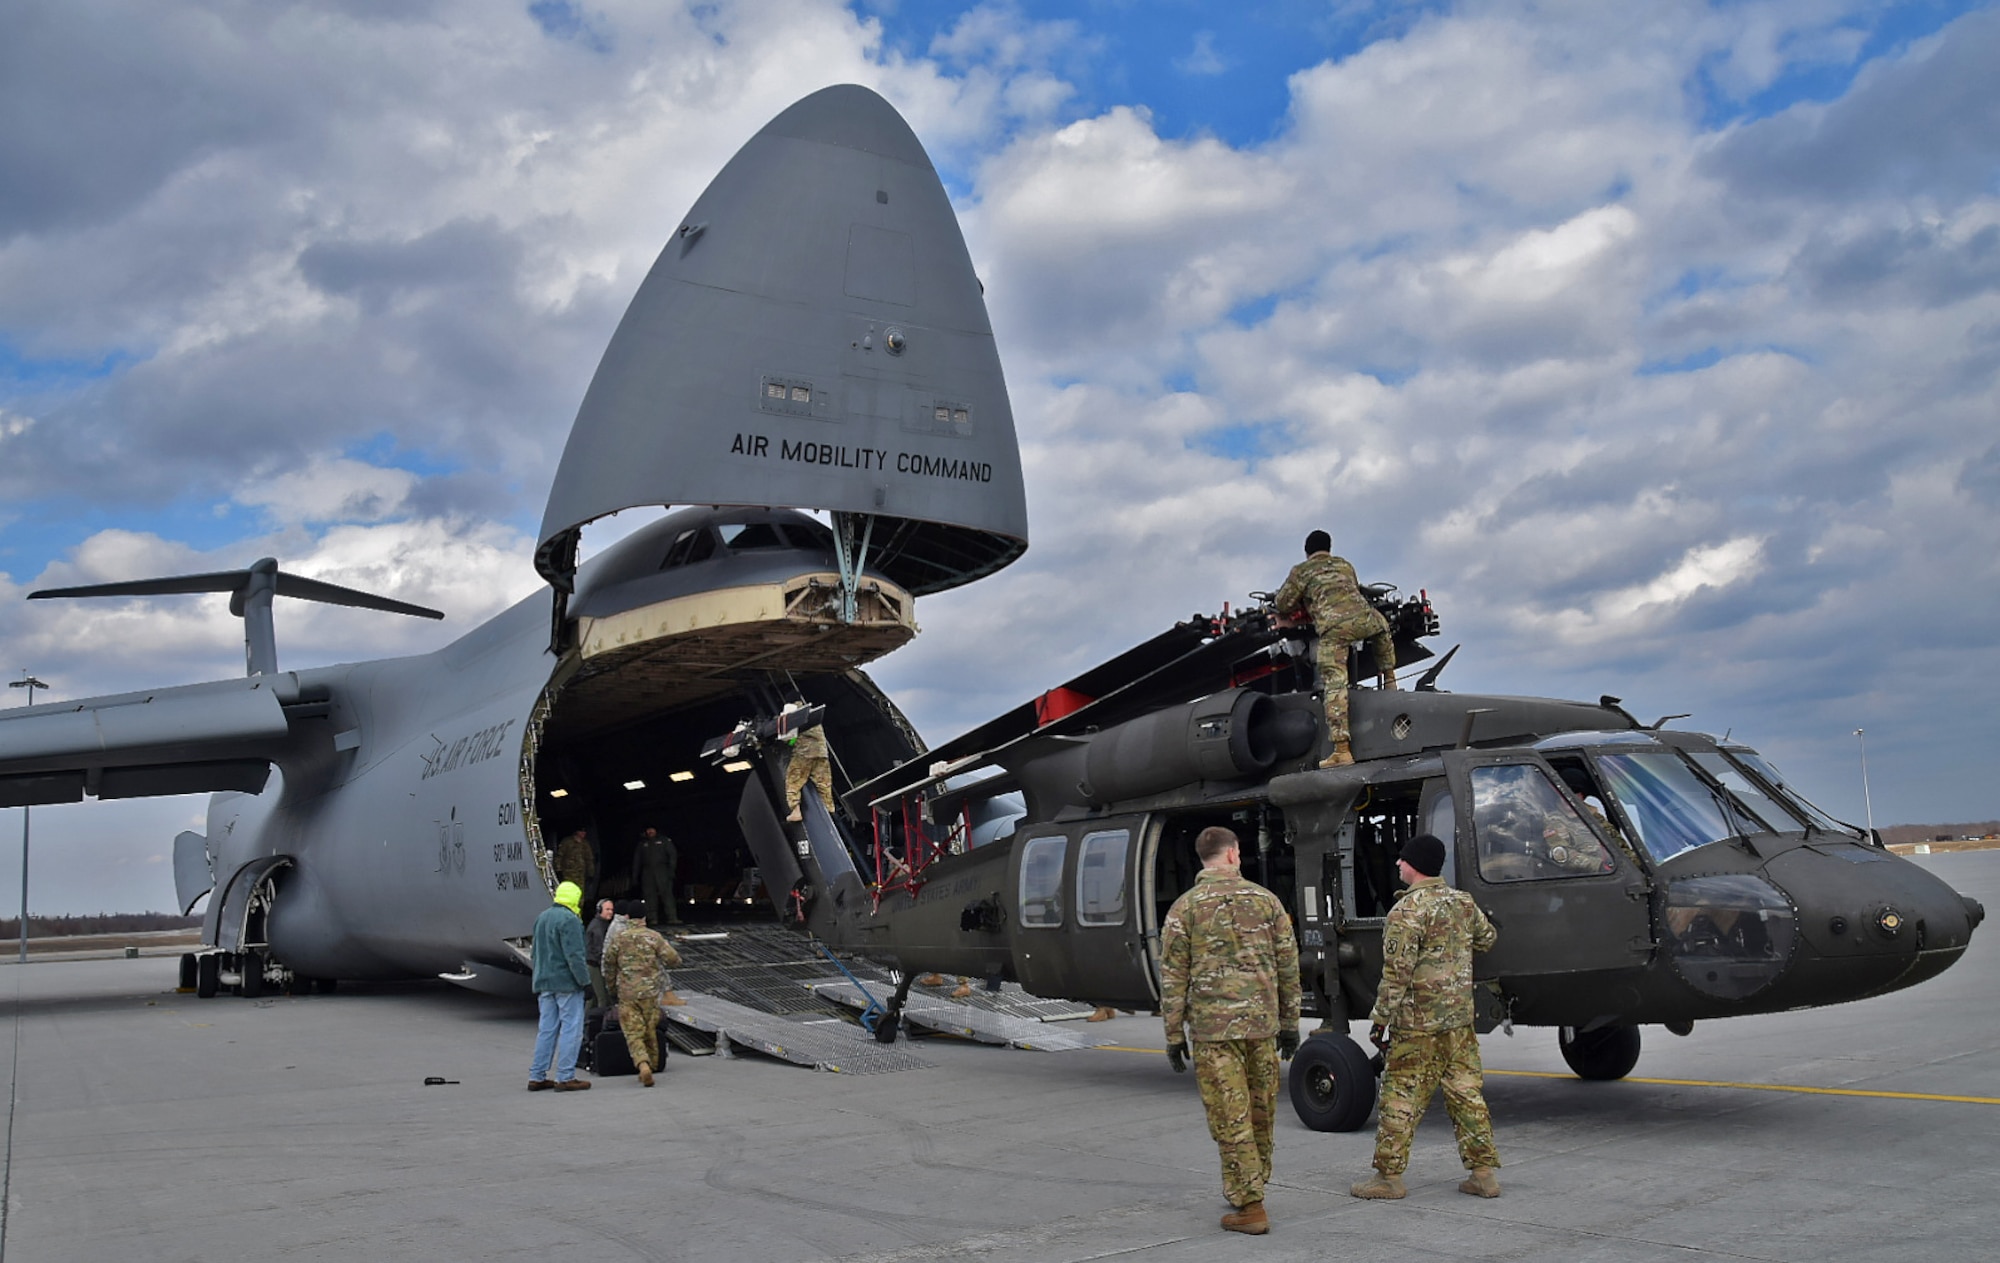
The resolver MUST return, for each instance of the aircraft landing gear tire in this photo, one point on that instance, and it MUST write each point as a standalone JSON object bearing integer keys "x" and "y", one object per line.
{"x": 1332, "y": 1084}
{"x": 1609, "y": 1052}
{"x": 207, "y": 975}
{"x": 252, "y": 966}
{"x": 190, "y": 971}
{"x": 886, "y": 1027}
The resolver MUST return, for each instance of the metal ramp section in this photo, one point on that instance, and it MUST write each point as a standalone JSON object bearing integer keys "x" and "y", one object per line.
{"x": 827, "y": 1043}
{"x": 761, "y": 966}
{"x": 989, "y": 1023}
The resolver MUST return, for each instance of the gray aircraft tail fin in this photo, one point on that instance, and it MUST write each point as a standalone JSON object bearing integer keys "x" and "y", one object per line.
{"x": 250, "y": 592}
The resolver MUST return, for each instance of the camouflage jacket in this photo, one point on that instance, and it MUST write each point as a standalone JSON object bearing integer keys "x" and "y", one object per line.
{"x": 574, "y": 862}
{"x": 1229, "y": 967}
{"x": 1427, "y": 949}
{"x": 1325, "y": 585}
{"x": 809, "y": 745}
{"x": 636, "y": 963}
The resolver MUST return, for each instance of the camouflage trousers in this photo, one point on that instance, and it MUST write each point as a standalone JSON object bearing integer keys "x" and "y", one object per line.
{"x": 799, "y": 771}
{"x": 1416, "y": 1066}
{"x": 1332, "y": 659}
{"x": 640, "y": 1020}
{"x": 1239, "y": 1089}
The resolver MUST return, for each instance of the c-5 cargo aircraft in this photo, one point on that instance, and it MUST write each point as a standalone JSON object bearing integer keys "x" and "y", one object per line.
{"x": 1637, "y": 875}
{"x": 813, "y": 337}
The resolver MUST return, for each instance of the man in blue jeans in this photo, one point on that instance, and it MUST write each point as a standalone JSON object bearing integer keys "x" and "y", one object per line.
{"x": 560, "y": 979}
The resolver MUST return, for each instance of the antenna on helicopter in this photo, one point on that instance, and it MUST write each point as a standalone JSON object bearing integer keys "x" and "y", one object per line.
{"x": 250, "y": 592}
{"x": 1427, "y": 682}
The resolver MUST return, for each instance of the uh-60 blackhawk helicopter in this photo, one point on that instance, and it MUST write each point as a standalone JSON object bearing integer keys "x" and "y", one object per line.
{"x": 1638, "y": 875}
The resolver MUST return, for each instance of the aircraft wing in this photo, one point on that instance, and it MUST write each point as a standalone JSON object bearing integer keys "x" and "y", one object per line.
{"x": 197, "y": 738}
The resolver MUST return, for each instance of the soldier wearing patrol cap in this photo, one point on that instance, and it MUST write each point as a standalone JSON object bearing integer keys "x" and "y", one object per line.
{"x": 1325, "y": 585}
{"x": 1423, "y": 1021}
{"x": 1229, "y": 978}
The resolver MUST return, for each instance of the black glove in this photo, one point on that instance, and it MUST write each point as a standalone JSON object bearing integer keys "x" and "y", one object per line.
{"x": 1288, "y": 1043}
{"x": 1378, "y": 1035}
{"x": 1177, "y": 1057}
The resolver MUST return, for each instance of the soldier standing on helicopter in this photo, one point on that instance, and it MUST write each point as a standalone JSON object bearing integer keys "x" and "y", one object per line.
{"x": 1325, "y": 585}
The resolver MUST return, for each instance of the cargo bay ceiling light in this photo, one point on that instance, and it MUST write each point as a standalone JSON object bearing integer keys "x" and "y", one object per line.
{"x": 635, "y": 784}
{"x": 740, "y": 765}
{"x": 559, "y": 793}
{"x": 680, "y": 776}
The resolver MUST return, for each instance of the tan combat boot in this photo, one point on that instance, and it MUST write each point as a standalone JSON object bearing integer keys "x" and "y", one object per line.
{"x": 1250, "y": 1219}
{"x": 1341, "y": 756}
{"x": 1389, "y": 679}
{"x": 645, "y": 1074}
{"x": 1104, "y": 1013}
{"x": 671, "y": 1000}
{"x": 1378, "y": 1185}
{"x": 931, "y": 980}
{"x": 962, "y": 990}
{"x": 1481, "y": 1183}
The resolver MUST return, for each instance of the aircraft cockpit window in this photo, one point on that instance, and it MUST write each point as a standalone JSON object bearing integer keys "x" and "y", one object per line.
{"x": 1758, "y": 764}
{"x": 1041, "y": 881}
{"x": 1527, "y": 830}
{"x": 1748, "y": 797}
{"x": 692, "y": 546}
{"x": 756, "y": 535}
{"x": 1668, "y": 805}
{"x": 1100, "y": 878}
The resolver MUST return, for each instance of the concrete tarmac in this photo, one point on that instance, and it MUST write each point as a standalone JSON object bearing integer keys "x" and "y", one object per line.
{"x": 146, "y": 1125}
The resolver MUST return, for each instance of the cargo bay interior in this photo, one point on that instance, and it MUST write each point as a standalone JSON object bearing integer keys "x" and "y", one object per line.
{"x": 613, "y": 774}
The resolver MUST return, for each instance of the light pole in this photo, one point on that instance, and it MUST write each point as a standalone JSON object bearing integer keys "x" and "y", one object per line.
{"x": 29, "y": 683}
{"x": 1867, "y": 802}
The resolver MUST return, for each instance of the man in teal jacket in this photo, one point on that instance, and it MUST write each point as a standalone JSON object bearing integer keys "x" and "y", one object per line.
{"x": 560, "y": 976}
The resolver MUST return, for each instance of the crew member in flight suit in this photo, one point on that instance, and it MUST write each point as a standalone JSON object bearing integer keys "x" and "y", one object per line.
{"x": 1325, "y": 585}
{"x": 654, "y": 862}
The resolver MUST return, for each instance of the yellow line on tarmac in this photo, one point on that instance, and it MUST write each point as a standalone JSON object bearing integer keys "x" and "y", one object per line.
{"x": 1771, "y": 1087}
{"x": 1700, "y": 1083}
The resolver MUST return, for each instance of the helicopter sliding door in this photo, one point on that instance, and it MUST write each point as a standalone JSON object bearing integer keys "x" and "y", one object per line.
{"x": 1076, "y": 931}
{"x": 1546, "y": 869}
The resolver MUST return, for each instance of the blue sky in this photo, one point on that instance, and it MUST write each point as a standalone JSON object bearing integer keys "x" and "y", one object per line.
{"x": 1656, "y": 342}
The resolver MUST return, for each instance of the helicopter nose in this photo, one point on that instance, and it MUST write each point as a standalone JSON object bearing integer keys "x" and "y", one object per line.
{"x": 1869, "y": 921}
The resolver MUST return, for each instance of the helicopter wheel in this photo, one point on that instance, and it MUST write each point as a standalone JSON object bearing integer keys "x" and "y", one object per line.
{"x": 207, "y": 975}
{"x": 251, "y": 964}
{"x": 886, "y": 1026}
{"x": 1332, "y": 1084}
{"x": 190, "y": 971}
{"x": 1609, "y": 1052}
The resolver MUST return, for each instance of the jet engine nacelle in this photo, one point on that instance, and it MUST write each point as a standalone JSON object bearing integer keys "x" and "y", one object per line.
{"x": 1225, "y": 736}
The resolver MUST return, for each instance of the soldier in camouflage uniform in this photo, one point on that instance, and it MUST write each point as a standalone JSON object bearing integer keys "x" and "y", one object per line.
{"x": 811, "y": 761}
{"x": 1229, "y": 977}
{"x": 1423, "y": 1013}
{"x": 576, "y": 862}
{"x": 635, "y": 963}
{"x": 1325, "y": 585}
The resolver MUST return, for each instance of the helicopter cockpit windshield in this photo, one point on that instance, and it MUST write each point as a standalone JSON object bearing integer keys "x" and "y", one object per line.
{"x": 1761, "y": 766}
{"x": 1669, "y": 807}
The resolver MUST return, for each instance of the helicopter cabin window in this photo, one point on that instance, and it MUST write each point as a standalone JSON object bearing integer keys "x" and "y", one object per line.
{"x": 1100, "y": 878}
{"x": 1041, "y": 881}
{"x": 751, "y": 538}
{"x": 1527, "y": 830}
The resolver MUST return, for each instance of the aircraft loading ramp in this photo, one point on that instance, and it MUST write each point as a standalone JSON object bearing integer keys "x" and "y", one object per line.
{"x": 766, "y": 988}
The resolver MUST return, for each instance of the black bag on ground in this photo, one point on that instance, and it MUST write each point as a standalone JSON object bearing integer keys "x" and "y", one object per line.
{"x": 611, "y": 1056}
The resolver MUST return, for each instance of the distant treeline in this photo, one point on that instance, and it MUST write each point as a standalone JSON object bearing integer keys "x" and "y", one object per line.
{"x": 102, "y": 923}
{"x": 1904, "y": 834}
